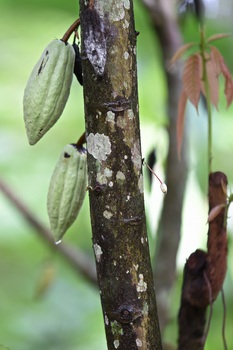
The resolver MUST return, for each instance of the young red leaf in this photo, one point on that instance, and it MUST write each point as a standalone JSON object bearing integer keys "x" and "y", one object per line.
{"x": 215, "y": 212}
{"x": 177, "y": 55}
{"x": 217, "y": 37}
{"x": 216, "y": 59}
{"x": 192, "y": 80}
{"x": 221, "y": 67}
{"x": 180, "y": 121}
{"x": 228, "y": 84}
{"x": 213, "y": 83}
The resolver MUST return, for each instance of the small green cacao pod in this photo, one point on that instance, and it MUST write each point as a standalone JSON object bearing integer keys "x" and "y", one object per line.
{"x": 67, "y": 189}
{"x": 48, "y": 89}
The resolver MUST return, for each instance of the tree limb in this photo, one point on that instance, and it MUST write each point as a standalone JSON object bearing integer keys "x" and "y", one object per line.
{"x": 166, "y": 29}
{"x": 75, "y": 257}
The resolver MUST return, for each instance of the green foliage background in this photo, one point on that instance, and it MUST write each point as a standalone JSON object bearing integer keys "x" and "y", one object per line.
{"x": 68, "y": 314}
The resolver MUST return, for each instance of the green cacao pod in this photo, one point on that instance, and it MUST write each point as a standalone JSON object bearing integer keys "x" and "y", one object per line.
{"x": 48, "y": 89}
{"x": 67, "y": 189}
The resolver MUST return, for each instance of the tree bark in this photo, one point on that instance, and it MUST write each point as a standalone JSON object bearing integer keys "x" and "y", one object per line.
{"x": 115, "y": 175}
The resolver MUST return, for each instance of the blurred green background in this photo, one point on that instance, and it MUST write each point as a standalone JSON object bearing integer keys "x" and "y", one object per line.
{"x": 68, "y": 314}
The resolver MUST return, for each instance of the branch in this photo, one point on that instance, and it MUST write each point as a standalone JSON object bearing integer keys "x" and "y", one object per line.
{"x": 75, "y": 257}
{"x": 166, "y": 29}
{"x": 204, "y": 273}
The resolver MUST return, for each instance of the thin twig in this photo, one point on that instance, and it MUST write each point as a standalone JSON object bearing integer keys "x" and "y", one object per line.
{"x": 75, "y": 257}
{"x": 224, "y": 320}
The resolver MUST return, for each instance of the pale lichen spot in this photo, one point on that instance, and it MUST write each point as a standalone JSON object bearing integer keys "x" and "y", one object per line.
{"x": 128, "y": 198}
{"x": 142, "y": 285}
{"x": 116, "y": 10}
{"x": 110, "y": 184}
{"x": 127, "y": 271}
{"x": 136, "y": 267}
{"x": 121, "y": 122}
{"x": 114, "y": 263}
{"x": 107, "y": 214}
{"x": 98, "y": 252}
{"x": 125, "y": 157}
{"x": 142, "y": 240}
{"x": 126, "y": 24}
{"x": 103, "y": 179}
{"x": 99, "y": 146}
{"x": 126, "y": 55}
{"x": 125, "y": 84}
{"x": 130, "y": 114}
{"x": 110, "y": 117}
{"x": 140, "y": 184}
{"x": 108, "y": 172}
{"x": 136, "y": 156}
{"x": 116, "y": 343}
{"x": 145, "y": 309}
{"x": 127, "y": 4}
{"x": 138, "y": 343}
{"x": 106, "y": 320}
{"x": 120, "y": 176}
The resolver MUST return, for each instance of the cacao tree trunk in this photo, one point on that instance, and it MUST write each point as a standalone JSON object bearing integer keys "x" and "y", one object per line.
{"x": 115, "y": 175}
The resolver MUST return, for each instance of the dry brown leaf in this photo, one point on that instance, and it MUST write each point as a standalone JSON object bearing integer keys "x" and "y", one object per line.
{"x": 192, "y": 80}
{"x": 180, "y": 121}
{"x": 217, "y": 37}
{"x": 177, "y": 55}
{"x": 215, "y": 212}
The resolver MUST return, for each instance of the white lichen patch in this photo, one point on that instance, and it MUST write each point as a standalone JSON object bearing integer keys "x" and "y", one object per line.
{"x": 116, "y": 10}
{"x": 120, "y": 176}
{"x": 126, "y": 24}
{"x": 116, "y": 343}
{"x": 142, "y": 285}
{"x": 145, "y": 309}
{"x": 138, "y": 343}
{"x": 98, "y": 252}
{"x": 136, "y": 155}
{"x": 110, "y": 117}
{"x": 99, "y": 146}
{"x": 142, "y": 240}
{"x": 121, "y": 122}
{"x": 103, "y": 179}
{"x": 127, "y": 4}
{"x": 128, "y": 198}
{"x": 126, "y": 55}
{"x": 106, "y": 320}
{"x": 107, "y": 214}
{"x": 140, "y": 184}
{"x": 107, "y": 172}
{"x": 136, "y": 267}
{"x": 130, "y": 114}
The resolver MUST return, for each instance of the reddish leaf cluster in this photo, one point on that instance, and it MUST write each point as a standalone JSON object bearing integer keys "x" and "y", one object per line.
{"x": 193, "y": 80}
